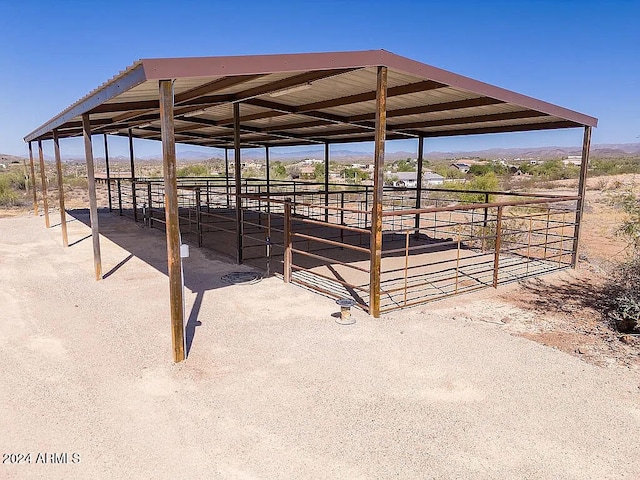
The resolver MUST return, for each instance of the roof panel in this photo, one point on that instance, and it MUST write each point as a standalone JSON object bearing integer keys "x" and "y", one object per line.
{"x": 306, "y": 95}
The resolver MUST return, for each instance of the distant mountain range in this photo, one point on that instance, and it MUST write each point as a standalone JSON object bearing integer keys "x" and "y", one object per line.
{"x": 350, "y": 156}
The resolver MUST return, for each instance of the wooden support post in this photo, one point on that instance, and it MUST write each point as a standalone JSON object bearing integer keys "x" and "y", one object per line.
{"x": 63, "y": 217}
{"x": 93, "y": 205}
{"x": 419, "y": 185}
{"x": 287, "y": 241}
{"x": 171, "y": 216}
{"x": 326, "y": 181}
{"x": 43, "y": 176}
{"x": 237, "y": 179}
{"x": 33, "y": 181}
{"x": 582, "y": 186}
{"x": 106, "y": 159}
{"x": 378, "y": 183}
{"x": 133, "y": 178}
{"x": 496, "y": 256}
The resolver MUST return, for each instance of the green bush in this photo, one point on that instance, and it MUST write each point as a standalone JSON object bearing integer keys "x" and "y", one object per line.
{"x": 193, "y": 171}
{"x": 622, "y": 288}
{"x": 12, "y": 184}
{"x": 622, "y": 294}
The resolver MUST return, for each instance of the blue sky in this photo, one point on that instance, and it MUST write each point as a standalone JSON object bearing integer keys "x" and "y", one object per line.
{"x": 583, "y": 55}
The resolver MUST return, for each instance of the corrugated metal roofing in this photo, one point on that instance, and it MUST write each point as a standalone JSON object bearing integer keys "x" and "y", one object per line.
{"x": 296, "y": 99}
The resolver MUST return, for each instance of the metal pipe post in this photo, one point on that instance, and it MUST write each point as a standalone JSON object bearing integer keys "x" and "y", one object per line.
{"x": 496, "y": 257}
{"x": 419, "y": 185}
{"x": 237, "y": 179}
{"x": 326, "y": 181}
{"x": 287, "y": 241}
{"x": 582, "y": 186}
{"x": 106, "y": 159}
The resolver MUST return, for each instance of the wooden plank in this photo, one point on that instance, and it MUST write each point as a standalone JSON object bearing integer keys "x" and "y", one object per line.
{"x": 33, "y": 181}
{"x": 172, "y": 221}
{"x": 43, "y": 177}
{"x": 378, "y": 179}
{"x": 93, "y": 204}
{"x": 63, "y": 217}
{"x": 582, "y": 186}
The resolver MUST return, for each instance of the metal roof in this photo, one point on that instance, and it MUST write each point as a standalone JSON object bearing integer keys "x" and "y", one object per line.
{"x": 298, "y": 99}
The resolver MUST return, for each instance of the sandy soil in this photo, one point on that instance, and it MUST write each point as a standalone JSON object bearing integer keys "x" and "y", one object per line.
{"x": 273, "y": 386}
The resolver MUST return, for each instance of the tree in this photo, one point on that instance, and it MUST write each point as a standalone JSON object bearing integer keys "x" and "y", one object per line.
{"x": 278, "y": 171}
{"x": 318, "y": 171}
{"x": 405, "y": 166}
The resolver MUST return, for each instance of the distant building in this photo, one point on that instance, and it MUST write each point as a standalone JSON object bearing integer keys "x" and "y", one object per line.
{"x": 410, "y": 179}
{"x": 463, "y": 167}
{"x": 573, "y": 160}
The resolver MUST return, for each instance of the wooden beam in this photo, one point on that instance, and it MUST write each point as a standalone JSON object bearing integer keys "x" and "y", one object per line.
{"x": 43, "y": 177}
{"x": 172, "y": 221}
{"x": 582, "y": 187}
{"x": 33, "y": 181}
{"x": 238, "y": 179}
{"x": 378, "y": 184}
{"x": 63, "y": 217}
{"x": 93, "y": 204}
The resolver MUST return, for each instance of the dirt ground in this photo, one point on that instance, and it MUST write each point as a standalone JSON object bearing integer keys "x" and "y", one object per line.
{"x": 275, "y": 388}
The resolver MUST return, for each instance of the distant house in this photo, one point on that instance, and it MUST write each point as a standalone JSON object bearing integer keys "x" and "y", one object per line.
{"x": 573, "y": 160}
{"x": 410, "y": 179}
{"x": 430, "y": 178}
{"x": 463, "y": 167}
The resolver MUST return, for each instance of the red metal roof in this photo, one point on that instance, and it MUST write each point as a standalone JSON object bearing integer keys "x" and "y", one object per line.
{"x": 297, "y": 99}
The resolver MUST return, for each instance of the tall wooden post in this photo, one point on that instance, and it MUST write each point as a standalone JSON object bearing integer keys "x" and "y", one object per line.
{"x": 326, "y": 181}
{"x": 582, "y": 186}
{"x": 43, "y": 176}
{"x": 106, "y": 159}
{"x": 378, "y": 180}
{"x": 171, "y": 217}
{"x": 93, "y": 204}
{"x": 237, "y": 178}
{"x": 33, "y": 181}
{"x": 63, "y": 217}
{"x": 419, "y": 184}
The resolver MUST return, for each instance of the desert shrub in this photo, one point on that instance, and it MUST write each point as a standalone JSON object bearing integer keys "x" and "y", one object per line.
{"x": 622, "y": 288}
{"x": 76, "y": 182}
{"x": 193, "y": 171}
{"x": 12, "y": 186}
{"x": 622, "y": 294}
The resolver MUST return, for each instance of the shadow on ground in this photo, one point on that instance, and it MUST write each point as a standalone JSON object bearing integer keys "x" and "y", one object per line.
{"x": 149, "y": 245}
